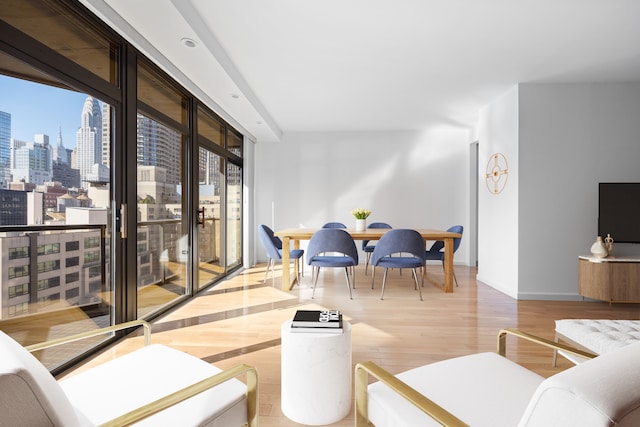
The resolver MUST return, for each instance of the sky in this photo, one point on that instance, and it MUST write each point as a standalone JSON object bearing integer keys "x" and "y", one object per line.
{"x": 37, "y": 109}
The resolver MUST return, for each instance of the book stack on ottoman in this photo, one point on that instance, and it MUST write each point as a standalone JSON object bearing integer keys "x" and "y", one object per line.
{"x": 320, "y": 321}
{"x": 316, "y": 367}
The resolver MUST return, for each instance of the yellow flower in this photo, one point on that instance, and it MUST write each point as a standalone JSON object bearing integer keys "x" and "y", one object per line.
{"x": 361, "y": 213}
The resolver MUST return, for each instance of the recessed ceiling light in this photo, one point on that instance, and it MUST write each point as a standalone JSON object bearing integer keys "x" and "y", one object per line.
{"x": 235, "y": 96}
{"x": 259, "y": 122}
{"x": 189, "y": 42}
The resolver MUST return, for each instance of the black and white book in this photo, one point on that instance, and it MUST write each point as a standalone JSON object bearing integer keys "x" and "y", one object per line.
{"x": 317, "y": 319}
{"x": 316, "y": 330}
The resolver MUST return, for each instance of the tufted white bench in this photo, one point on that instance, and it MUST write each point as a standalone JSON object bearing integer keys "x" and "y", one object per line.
{"x": 598, "y": 336}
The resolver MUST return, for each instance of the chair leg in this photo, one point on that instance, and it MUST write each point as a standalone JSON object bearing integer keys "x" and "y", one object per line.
{"x": 266, "y": 271}
{"x": 346, "y": 273}
{"x": 373, "y": 275}
{"x": 415, "y": 277}
{"x": 271, "y": 263}
{"x": 366, "y": 262}
{"x": 454, "y": 274}
{"x": 317, "y": 273}
{"x": 384, "y": 280}
{"x": 299, "y": 266}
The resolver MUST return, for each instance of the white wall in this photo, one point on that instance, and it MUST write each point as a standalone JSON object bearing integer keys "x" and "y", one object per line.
{"x": 570, "y": 138}
{"x": 498, "y": 212}
{"x": 408, "y": 179}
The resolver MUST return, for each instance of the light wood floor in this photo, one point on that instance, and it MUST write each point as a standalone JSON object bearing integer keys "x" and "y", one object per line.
{"x": 238, "y": 321}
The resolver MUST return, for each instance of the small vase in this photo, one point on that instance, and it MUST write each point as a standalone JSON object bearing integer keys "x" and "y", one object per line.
{"x": 598, "y": 249}
{"x": 361, "y": 224}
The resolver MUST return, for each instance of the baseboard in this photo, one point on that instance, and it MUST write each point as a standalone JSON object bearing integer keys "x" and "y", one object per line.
{"x": 531, "y": 296}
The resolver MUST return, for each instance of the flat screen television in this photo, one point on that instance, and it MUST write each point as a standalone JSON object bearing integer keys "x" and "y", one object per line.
{"x": 619, "y": 211}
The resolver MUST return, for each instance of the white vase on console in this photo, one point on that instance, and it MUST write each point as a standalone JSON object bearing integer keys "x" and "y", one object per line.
{"x": 598, "y": 249}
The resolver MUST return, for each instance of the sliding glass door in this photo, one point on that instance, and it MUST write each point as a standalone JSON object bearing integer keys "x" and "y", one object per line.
{"x": 210, "y": 217}
{"x": 120, "y": 191}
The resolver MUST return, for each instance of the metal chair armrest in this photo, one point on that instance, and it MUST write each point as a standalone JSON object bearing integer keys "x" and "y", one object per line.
{"x": 93, "y": 333}
{"x": 196, "y": 388}
{"x": 502, "y": 343}
{"x": 432, "y": 409}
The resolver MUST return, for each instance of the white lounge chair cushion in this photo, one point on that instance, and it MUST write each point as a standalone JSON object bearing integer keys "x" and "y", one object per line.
{"x": 150, "y": 373}
{"x": 604, "y": 391}
{"x": 482, "y": 389}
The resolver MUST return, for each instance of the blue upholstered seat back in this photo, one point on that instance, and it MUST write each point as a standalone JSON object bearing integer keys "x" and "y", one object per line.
{"x": 396, "y": 241}
{"x": 331, "y": 240}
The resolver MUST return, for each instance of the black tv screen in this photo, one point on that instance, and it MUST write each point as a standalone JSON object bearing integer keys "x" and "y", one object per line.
{"x": 619, "y": 211}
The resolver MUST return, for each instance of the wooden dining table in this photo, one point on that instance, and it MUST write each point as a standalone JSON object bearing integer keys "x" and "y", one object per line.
{"x": 295, "y": 235}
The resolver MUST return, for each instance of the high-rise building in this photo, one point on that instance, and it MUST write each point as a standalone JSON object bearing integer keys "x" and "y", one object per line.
{"x": 60, "y": 153}
{"x": 159, "y": 145}
{"x": 31, "y": 161}
{"x": 5, "y": 149}
{"x": 5, "y": 138}
{"x": 89, "y": 139}
{"x": 106, "y": 135}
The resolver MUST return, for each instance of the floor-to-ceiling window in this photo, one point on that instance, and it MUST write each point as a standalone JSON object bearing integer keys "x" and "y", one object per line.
{"x": 219, "y": 194}
{"x": 58, "y": 100}
{"x": 162, "y": 229}
{"x": 101, "y": 177}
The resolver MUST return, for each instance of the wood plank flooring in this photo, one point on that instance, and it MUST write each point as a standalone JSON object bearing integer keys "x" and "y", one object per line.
{"x": 238, "y": 321}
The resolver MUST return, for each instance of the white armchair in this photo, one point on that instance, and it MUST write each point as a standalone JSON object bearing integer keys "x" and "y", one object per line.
{"x": 487, "y": 389}
{"x": 155, "y": 385}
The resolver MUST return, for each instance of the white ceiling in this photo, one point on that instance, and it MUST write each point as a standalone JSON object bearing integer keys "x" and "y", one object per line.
{"x": 375, "y": 65}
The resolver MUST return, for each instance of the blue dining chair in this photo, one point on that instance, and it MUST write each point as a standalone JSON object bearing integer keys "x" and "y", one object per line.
{"x": 436, "y": 251}
{"x": 332, "y": 247}
{"x": 407, "y": 245}
{"x": 273, "y": 245}
{"x": 334, "y": 225}
{"x": 367, "y": 248}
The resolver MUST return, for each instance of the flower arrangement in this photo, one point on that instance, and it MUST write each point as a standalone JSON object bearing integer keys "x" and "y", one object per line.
{"x": 361, "y": 213}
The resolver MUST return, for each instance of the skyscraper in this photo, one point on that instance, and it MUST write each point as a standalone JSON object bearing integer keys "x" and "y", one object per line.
{"x": 159, "y": 145}
{"x": 5, "y": 138}
{"x": 106, "y": 134}
{"x": 31, "y": 161}
{"x": 5, "y": 149}
{"x": 60, "y": 153}
{"x": 89, "y": 139}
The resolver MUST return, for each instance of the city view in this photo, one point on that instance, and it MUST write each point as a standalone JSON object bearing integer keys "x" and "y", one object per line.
{"x": 121, "y": 192}
{"x": 55, "y": 153}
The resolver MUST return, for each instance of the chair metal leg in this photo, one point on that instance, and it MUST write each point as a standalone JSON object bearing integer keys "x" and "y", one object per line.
{"x": 266, "y": 271}
{"x": 415, "y": 277}
{"x": 299, "y": 266}
{"x": 346, "y": 273}
{"x": 366, "y": 262}
{"x": 270, "y": 264}
{"x": 384, "y": 280}
{"x": 373, "y": 275}
{"x": 317, "y": 273}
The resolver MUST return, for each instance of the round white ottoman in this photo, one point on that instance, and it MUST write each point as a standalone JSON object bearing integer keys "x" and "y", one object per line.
{"x": 316, "y": 375}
